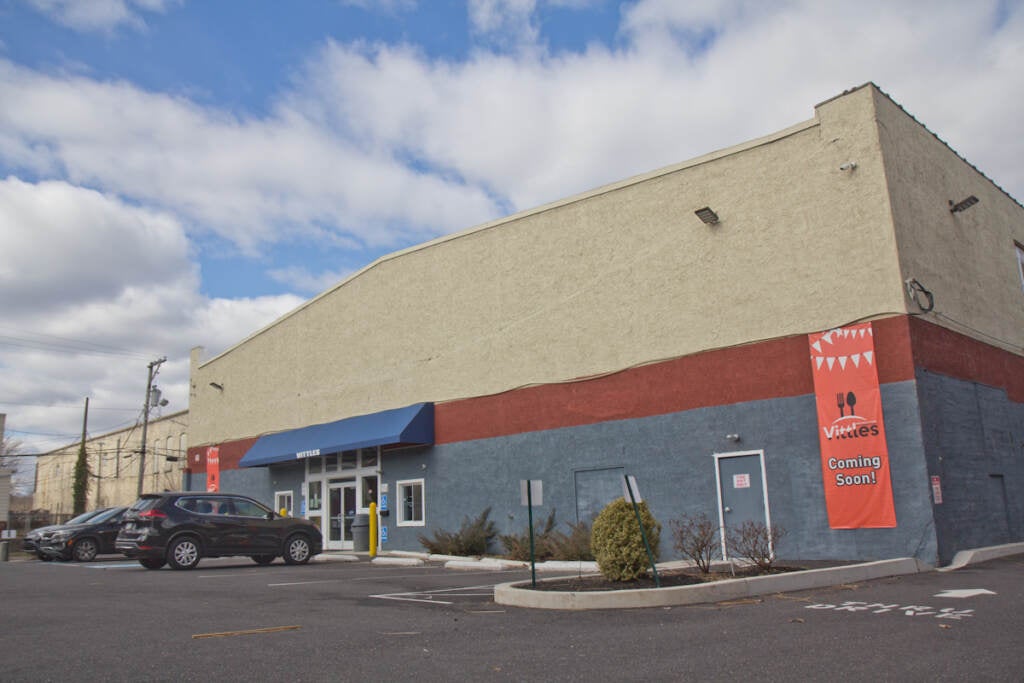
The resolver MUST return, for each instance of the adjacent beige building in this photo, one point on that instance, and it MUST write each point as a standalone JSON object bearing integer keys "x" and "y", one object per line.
{"x": 114, "y": 466}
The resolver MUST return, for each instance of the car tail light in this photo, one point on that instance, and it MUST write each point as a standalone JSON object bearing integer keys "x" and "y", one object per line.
{"x": 152, "y": 514}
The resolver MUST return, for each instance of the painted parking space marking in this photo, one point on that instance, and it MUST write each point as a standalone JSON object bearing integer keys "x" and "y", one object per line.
{"x": 429, "y": 596}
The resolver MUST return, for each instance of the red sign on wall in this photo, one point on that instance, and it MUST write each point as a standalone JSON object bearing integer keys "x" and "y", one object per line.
{"x": 854, "y": 454}
{"x": 213, "y": 469}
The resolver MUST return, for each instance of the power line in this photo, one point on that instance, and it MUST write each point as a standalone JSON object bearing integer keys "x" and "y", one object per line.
{"x": 47, "y": 342}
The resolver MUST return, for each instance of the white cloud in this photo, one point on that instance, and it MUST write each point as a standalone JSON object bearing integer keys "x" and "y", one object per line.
{"x": 690, "y": 78}
{"x": 94, "y": 289}
{"x": 252, "y": 181}
{"x": 100, "y": 15}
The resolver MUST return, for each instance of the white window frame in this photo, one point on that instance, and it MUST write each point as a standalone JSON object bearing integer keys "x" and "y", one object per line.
{"x": 291, "y": 502}
{"x": 400, "y": 512}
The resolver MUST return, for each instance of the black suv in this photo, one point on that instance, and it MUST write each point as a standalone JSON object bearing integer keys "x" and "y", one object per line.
{"x": 30, "y": 544}
{"x": 181, "y": 528}
{"x": 83, "y": 541}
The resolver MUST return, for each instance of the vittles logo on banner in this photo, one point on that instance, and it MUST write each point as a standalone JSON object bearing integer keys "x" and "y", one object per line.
{"x": 213, "y": 469}
{"x": 854, "y": 455}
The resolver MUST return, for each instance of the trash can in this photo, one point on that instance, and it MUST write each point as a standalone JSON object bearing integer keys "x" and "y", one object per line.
{"x": 361, "y": 533}
{"x": 3, "y": 551}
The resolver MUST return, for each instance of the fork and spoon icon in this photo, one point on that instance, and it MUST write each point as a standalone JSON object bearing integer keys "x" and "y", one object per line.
{"x": 849, "y": 400}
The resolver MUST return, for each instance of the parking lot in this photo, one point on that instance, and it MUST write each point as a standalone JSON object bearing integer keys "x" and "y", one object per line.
{"x": 230, "y": 619}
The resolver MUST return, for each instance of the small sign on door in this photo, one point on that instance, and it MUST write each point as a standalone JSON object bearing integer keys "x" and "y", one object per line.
{"x": 741, "y": 481}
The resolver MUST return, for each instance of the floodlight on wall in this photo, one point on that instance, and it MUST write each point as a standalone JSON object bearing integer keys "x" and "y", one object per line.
{"x": 848, "y": 166}
{"x": 733, "y": 437}
{"x": 707, "y": 215}
{"x": 218, "y": 387}
{"x": 962, "y": 205}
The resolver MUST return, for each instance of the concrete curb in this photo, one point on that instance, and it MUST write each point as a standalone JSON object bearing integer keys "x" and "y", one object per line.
{"x": 978, "y": 555}
{"x": 731, "y": 589}
{"x": 334, "y": 557}
{"x": 398, "y": 561}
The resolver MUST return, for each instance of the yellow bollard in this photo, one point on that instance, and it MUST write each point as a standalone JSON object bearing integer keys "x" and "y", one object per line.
{"x": 373, "y": 530}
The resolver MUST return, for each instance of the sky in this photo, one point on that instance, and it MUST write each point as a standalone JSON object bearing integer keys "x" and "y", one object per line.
{"x": 180, "y": 173}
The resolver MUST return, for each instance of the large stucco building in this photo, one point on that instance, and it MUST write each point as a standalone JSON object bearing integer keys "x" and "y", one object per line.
{"x": 619, "y": 332}
{"x": 113, "y": 459}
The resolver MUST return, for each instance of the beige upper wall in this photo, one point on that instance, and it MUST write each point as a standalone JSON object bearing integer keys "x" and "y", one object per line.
{"x": 114, "y": 462}
{"x": 968, "y": 259}
{"x": 623, "y": 275}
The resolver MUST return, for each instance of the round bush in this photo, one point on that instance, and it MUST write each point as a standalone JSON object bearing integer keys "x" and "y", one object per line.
{"x": 617, "y": 544}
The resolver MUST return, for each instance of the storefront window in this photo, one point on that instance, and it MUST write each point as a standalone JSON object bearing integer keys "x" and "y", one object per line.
{"x": 369, "y": 486}
{"x": 315, "y": 496}
{"x": 369, "y": 457}
{"x": 349, "y": 460}
{"x": 331, "y": 462}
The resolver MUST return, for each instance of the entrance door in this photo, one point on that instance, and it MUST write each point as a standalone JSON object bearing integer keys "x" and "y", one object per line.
{"x": 341, "y": 510}
{"x": 742, "y": 492}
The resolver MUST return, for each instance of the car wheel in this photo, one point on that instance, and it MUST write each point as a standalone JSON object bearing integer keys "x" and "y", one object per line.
{"x": 84, "y": 550}
{"x": 44, "y": 558}
{"x": 184, "y": 553}
{"x": 150, "y": 563}
{"x": 263, "y": 559}
{"x": 297, "y": 549}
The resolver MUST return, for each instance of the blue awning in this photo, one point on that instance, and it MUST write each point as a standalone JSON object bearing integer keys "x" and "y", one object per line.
{"x": 412, "y": 425}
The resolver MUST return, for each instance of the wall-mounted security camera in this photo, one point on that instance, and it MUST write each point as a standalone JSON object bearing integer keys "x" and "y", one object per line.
{"x": 848, "y": 166}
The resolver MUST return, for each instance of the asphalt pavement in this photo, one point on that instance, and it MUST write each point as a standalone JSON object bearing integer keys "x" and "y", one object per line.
{"x": 230, "y": 620}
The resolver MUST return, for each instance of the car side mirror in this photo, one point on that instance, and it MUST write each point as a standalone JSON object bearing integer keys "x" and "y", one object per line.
{"x": 270, "y": 515}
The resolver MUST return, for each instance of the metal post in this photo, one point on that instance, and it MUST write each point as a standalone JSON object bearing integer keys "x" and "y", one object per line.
{"x": 529, "y": 508}
{"x": 643, "y": 534}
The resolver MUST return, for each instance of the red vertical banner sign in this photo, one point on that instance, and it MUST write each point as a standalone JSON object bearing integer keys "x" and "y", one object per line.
{"x": 213, "y": 469}
{"x": 854, "y": 454}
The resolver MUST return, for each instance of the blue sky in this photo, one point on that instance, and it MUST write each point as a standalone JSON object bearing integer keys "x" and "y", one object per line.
{"x": 179, "y": 173}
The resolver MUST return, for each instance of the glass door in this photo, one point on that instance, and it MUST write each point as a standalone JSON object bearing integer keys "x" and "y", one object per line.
{"x": 341, "y": 510}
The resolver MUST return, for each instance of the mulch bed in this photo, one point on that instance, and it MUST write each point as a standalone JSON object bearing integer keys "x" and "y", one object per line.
{"x": 675, "y": 577}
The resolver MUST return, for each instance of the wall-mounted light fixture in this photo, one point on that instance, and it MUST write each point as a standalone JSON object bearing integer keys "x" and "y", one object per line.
{"x": 962, "y": 205}
{"x": 707, "y": 215}
{"x": 218, "y": 387}
{"x": 733, "y": 437}
{"x": 848, "y": 166}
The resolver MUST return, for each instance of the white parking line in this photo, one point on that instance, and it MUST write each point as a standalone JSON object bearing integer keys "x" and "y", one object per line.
{"x": 429, "y": 599}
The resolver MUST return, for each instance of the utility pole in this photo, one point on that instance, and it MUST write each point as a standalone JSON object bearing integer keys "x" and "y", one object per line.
{"x": 154, "y": 368}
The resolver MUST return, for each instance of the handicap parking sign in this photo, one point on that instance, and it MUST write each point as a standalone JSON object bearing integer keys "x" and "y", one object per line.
{"x": 383, "y": 534}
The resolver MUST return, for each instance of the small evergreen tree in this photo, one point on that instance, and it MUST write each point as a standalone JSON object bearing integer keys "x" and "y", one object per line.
{"x": 80, "y": 483}
{"x": 617, "y": 543}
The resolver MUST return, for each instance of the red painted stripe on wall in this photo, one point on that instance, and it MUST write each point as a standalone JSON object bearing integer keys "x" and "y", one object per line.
{"x": 945, "y": 352}
{"x": 772, "y": 369}
{"x": 230, "y": 453}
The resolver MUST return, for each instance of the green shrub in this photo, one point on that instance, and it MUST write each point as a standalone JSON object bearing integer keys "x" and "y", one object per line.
{"x": 549, "y": 543}
{"x": 517, "y": 545}
{"x": 472, "y": 538}
{"x": 574, "y": 545}
{"x": 617, "y": 543}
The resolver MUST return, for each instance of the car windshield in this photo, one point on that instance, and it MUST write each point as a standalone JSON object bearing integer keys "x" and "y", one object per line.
{"x": 85, "y": 516}
{"x": 108, "y": 515}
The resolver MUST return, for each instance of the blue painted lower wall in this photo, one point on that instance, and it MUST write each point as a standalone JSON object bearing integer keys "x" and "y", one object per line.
{"x": 968, "y": 434}
{"x": 974, "y": 440}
